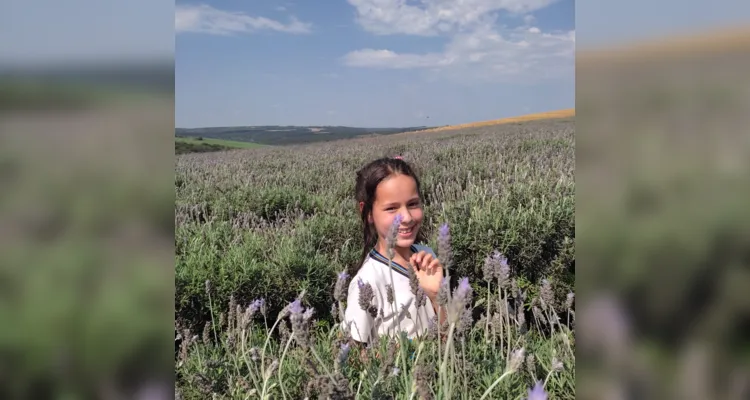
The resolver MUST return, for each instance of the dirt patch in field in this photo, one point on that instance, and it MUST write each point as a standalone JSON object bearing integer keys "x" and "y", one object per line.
{"x": 571, "y": 112}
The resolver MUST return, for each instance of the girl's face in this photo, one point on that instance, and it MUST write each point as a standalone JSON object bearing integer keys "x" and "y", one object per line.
{"x": 396, "y": 195}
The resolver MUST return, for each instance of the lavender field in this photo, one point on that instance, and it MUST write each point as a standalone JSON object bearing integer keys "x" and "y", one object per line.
{"x": 265, "y": 239}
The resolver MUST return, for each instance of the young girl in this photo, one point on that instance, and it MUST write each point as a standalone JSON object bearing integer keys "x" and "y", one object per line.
{"x": 388, "y": 191}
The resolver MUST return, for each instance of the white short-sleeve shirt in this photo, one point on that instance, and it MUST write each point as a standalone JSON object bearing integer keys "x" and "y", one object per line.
{"x": 375, "y": 271}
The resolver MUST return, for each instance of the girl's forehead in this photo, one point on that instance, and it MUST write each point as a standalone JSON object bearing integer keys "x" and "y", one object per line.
{"x": 395, "y": 187}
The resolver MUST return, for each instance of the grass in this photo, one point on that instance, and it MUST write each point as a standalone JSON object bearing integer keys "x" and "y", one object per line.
{"x": 280, "y": 224}
{"x": 220, "y": 142}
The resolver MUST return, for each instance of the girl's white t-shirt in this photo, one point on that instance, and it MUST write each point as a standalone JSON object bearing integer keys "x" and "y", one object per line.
{"x": 377, "y": 274}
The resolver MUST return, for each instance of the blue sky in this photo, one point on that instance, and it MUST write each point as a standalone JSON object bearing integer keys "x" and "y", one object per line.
{"x": 304, "y": 76}
{"x": 373, "y": 63}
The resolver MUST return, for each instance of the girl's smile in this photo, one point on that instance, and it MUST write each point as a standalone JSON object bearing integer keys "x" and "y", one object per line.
{"x": 406, "y": 233}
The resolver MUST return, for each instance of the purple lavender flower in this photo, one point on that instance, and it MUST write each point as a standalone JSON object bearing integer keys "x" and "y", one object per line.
{"x": 296, "y": 307}
{"x": 397, "y": 220}
{"x": 339, "y": 290}
{"x": 343, "y": 353}
{"x": 256, "y": 305}
{"x": 272, "y": 368}
{"x": 405, "y": 311}
{"x": 432, "y": 328}
{"x": 255, "y": 354}
{"x": 463, "y": 285}
{"x": 461, "y": 298}
{"x": 366, "y": 295}
{"x": 521, "y": 317}
{"x": 516, "y": 359}
{"x": 307, "y": 316}
{"x": 496, "y": 267}
{"x": 421, "y": 298}
{"x": 443, "y": 295}
{"x": 253, "y": 308}
{"x": 422, "y": 377}
{"x": 300, "y": 318}
{"x": 445, "y": 231}
{"x": 569, "y": 300}
{"x": 413, "y": 280}
{"x": 503, "y": 271}
{"x": 546, "y": 295}
{"x": 531, "y": 364}
{"x": 496, "y": 322}
{"x": 393, "y": 234}
{"x": 539, "y": 315}
{"x": 557, "y": 365}
{"x": 444, "y": 246}
{"x": 263, "y": 308}
{"x": 465, "y": 322}
{"x": 334, "y": 311}
{"x": 239, "y": 316}
{"x": 488, "y": 270}
{"x": 537, "y": 392}
{"x": 462, "y": 294}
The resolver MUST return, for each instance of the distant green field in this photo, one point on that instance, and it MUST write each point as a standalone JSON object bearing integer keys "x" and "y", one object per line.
{"x": 220, "y": 142}
{"x": 194, "y": 145}
{"x": 281, "y": 135}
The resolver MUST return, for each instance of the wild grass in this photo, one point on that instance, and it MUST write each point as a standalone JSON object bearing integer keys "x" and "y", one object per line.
{"x": 281, "y": 224}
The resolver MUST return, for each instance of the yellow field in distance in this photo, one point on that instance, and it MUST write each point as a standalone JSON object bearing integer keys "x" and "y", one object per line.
{"x": 567, "y": 113}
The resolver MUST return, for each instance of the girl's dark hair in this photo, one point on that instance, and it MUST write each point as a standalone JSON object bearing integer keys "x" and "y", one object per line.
{"x": 368, "y": 179}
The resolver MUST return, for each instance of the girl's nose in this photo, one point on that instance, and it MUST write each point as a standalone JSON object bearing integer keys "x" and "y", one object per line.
{"x": 405, "y": 217}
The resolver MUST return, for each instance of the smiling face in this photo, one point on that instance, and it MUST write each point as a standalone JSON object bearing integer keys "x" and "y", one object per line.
{"x": 397, "y": 194}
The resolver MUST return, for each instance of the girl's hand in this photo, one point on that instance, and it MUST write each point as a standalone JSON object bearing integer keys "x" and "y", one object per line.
{"x": 429, "y": 272}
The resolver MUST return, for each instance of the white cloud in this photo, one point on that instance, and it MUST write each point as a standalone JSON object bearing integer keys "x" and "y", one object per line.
{"x": 432, "y": 17}
{"x": 206, "y": 19}
{"x": 389, "y": 59}
{"x": 483, "y": 54}
{"x": 476, "y": 49}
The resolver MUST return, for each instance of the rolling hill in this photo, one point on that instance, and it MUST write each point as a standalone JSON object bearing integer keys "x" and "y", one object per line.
{"x": 286, "y": 135}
